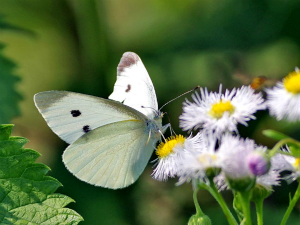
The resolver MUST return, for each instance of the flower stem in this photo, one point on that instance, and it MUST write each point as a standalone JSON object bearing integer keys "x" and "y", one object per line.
{"x": 245, "y": 202}
{"x": 280, "y": 143}
{"x": 197, "y": 206}
{"x": 291, "y": 206}
{"x": 216, "y": 194}
{"x": 259, "y": 211}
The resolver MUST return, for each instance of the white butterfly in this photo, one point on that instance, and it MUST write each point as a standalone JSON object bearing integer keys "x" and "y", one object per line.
{"x": 110, "y": 142}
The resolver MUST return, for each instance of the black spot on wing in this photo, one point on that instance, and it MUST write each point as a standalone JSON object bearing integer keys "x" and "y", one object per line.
{"x": 75, "y": 113}
{"x": 86, "y": 128}
{"x": 128, "y": 59}
{"x": 128, "y": 88}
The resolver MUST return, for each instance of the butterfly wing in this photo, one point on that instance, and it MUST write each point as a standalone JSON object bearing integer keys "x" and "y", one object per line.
{"x": 111, "y": 156}
{"x": 70, "y": 115}
{"x": 134, "y": 86}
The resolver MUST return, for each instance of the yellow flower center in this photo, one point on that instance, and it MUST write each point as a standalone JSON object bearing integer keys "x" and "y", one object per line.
{"x": 292, "y": 82}
{"x": 297, "y": 164}
{"x": 164, "y": 149}
{"x": 207, "y": 159}
{"x": 218, "y": 109}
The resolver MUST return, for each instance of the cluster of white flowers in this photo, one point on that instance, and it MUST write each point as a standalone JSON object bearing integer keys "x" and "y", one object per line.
{"x": 217, "y": 153}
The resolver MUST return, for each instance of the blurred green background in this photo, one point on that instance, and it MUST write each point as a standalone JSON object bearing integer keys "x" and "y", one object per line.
{"x": 76, "y": 45}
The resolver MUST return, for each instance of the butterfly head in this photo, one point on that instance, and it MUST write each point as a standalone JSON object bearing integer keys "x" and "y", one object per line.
{"x": 158, "y": 115}
{"x": 153, "y": 113}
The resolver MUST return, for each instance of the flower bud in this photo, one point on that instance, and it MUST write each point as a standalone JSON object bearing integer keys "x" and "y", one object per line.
{"x": 258, "y": 163}
{"x": 199, "y": 220}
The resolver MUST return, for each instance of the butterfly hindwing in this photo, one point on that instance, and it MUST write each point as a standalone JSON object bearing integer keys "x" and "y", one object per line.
{"x": 111, "y": 156}
{"x": 134, "y": 86}
{"x": 70, "y": 115}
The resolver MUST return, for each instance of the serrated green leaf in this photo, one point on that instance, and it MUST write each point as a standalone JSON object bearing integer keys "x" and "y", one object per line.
{"x": 26, "y": 193}
{"x": 9, "y": 97}
{"x": 5, "y": 131}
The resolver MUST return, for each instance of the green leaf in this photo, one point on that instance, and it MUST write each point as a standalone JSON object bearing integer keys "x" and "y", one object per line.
{"x": 5, "y": 131}
{"x": 9, "y": 97}
{"x": 26, "y": 193}
{"x": 275, "y": 134}
{"x": 295, "y": 150}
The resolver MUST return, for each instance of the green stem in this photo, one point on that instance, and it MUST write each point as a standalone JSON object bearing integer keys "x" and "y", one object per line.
{"x": 216, "y": 194}
{"x": 245, "y": 202}
{"x": 280, "y": 143}
{"x": 197, "y": 206}
{"x": 259, "y": 211}
{"x": 291, "y": 206}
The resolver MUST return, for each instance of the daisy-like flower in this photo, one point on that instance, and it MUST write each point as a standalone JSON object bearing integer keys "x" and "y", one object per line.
{"x": 267, "y": 180}
{"x": 283, "y": 100}
{"x": 168, "y": 154}
{"x": 242, "y": 161}
{"x": 198, "y": 164}
{"x": 289, "y": 163}
{"x": 235, "y": 152}
{"x": 218, "y": 113}
{"x": 245, "y": 164}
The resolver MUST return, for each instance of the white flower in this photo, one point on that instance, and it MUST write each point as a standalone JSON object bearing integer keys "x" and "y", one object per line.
{"x": 289, "y": 163}
{"x": 243, "y": 159}
{"x": 271, "y": 178}
{"x": 199, "y": 162}
{"x": 283, "y": 100}
{"x": 168, "y": 154}
{"x": 218, "y": 113}
{"x": 234, "y": 152}
{"x": 245, "y": 164}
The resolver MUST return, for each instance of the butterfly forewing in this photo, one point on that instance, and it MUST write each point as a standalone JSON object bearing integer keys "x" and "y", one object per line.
{"x": 134, "y": 86}
{"x": 70, "y": 115}
{"x": 111, "y": 156}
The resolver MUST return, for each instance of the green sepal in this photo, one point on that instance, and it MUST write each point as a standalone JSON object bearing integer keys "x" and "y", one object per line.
{"x": 259, "y": 193}
{"x": 241, "y": 184}
{"x": 212, "y": 172}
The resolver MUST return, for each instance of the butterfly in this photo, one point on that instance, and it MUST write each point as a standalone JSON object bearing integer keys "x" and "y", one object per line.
{"x": 111, "y": 140}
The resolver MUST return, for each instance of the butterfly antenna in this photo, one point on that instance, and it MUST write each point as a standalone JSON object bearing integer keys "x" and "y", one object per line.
{"x": 147, "y": 107}
{"x": 179, "y": 96}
